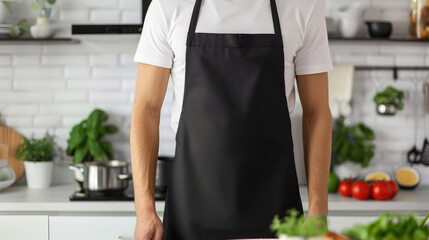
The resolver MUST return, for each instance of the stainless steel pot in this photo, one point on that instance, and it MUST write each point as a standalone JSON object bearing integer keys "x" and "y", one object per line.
{"x": 163, "y": 172}
{"x": 105, "y": 177}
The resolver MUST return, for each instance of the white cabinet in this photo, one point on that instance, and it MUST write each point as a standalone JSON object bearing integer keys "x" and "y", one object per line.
{"x": 91, "y": 228}
{"x": 338, "y": 223}
{"x": 22, "y": 227}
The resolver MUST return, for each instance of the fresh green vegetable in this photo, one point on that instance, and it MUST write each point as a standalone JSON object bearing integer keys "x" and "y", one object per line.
{"x": 390, "y": 227}
{"x": 333, "y": 183}
{"x": 390, "y": 96}
{"x": 85, "y": 142}
{"x": 295, "y": 225}
{"x": 4, "y": 177}
{"x": 37, "y": 150}
{"x": 352, "y": 143}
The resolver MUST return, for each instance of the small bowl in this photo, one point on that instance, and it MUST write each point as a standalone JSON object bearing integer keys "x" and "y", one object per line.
{"x": 386, "y": 109}
{"x": 379, "y": 29}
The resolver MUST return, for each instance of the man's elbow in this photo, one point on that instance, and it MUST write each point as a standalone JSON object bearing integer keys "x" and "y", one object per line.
{"x": 318, "y": 114}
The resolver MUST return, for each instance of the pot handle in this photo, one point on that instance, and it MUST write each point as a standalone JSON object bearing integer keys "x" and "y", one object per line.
{"x": 125, "y": 176}
{"x": 76, "y": 167}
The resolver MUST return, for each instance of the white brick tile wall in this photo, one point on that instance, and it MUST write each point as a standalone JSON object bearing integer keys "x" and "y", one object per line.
{"x": 105, "y": 16}
{"x": 6, "y": 72}
{"x": 94, "y": 84}
{"x": 38, "y": 72}
{"x": 27, "y": 49}
{"x": 77, "y": 72}
{"x": 74, "y": 15}
{"x": 103, "y": 59}
{"x": 26, "y": 60}
{"x": 20, "y": 109}
{"x": 128, "y": 84}
{"x": 86, "y": 4}
{"x": 131, "y": 16}
{"x": 47, "y": 121}
{"x": 70, "y": 121}
{"x": 410, "y": 60}
{"x": 18, "y": 121}
{"x": 127, "y": 59}
{"x": 66, "y": 109}
{"x": 70, "y": 96}
{"x": 130, "y": 4}
{"x": 59, "y": 59}
{"x": 5, "y": 60}
{"x": 5, "y": 84}
{"x": 39, "y": 85}
{"x": 114, "y": 97}
{"x": 25, "y": 97}
{"x": 114, "y": 72}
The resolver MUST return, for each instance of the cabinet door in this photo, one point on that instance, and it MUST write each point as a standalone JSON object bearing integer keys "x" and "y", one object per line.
{"x": 91, "y": 228}
{"x": 24, "y": 227}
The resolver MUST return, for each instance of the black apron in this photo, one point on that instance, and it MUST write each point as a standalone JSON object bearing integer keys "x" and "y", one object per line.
{"x": 234, "y": 167}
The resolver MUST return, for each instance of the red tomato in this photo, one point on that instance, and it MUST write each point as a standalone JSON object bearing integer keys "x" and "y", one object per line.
{"x": 394, "y": 188}
{"x": 381, "y": 191}
{"x": 345, "y": 189}
{"x": 361, "y": 190}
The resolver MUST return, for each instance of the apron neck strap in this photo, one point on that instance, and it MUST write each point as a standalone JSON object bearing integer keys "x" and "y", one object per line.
{"x": 196, "y": 13}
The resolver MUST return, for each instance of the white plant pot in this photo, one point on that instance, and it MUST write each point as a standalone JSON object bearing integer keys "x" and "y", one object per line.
{"x": 42, "y": 28}
{"x": 285, "y": 237}
{"x": 39, "y": 174}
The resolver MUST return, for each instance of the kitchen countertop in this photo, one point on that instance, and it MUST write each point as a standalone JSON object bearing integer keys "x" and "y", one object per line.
{"x": 19, "y": 200}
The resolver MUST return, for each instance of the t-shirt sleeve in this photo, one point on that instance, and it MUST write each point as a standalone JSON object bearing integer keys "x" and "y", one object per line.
{"x": 313, "y": 56}
{"x": 153, "y": 47}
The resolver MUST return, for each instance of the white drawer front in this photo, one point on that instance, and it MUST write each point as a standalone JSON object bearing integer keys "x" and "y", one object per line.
{"x": 24, "y": 227}
{"x": 91, "y": 228}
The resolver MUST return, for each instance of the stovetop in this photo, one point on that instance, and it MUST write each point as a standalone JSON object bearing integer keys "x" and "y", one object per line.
{"x": 126, "y": 196}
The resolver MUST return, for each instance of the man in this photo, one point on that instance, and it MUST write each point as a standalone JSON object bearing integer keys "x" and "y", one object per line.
{"x": 233, "y": 65}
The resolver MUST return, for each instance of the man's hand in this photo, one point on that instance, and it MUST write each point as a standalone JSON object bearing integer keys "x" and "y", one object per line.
{"x": 148, "y": 227}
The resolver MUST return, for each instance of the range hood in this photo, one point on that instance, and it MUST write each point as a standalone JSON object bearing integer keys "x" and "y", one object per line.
{"x": 114, "y": 28}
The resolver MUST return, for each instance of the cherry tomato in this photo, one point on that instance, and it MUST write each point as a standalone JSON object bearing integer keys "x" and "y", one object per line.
{"x": 361, "y": 190}
{"x": 345, "y": 188}
{"x": 381, "y": 191}
{"x": 394, "y": 188}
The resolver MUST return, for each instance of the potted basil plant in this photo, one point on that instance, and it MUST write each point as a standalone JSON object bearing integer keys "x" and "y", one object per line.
{"x": 295, "y": 227}
{"x": 87, "y": 141}
{"x": 38, "y": 155}
{"x": 389, "y": 101}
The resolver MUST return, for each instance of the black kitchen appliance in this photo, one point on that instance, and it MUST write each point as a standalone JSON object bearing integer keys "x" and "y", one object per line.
{"x": 163, "y": 171}
{"x": 113, "y": 28}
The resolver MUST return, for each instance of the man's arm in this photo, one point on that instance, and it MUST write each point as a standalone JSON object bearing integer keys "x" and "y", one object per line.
{"x": 317, "y": 135}
{"x": 149, "y": 95}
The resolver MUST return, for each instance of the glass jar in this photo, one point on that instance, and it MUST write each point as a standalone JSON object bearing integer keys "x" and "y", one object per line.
{"x": 413, "y": 19}
{"x": 422, "y": 19}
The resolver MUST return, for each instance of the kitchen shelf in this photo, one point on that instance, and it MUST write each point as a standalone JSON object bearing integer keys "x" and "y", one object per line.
{"x": 363, "y": 39}
{"x": 38, "y": 41}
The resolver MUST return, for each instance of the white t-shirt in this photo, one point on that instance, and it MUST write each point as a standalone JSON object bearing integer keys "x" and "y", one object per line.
{"x": 163, "y": 39}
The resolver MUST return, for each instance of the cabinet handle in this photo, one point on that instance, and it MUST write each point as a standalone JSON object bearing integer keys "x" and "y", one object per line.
{"x": 124, "y": 238}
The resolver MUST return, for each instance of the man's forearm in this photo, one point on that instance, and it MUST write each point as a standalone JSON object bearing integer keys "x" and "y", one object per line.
{"x": 144, "y": 144}
{"x": 317, "y": 135}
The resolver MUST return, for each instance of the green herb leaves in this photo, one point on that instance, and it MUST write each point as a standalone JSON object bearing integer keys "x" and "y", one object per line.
{"x": 390, "y": 96}
{"x": 352, "y": 143}
{"x": 85, "y": 138}
{"x": 390, "y": 227}
{"x": 295, "y": 225}
{"x": 35, "y": 150}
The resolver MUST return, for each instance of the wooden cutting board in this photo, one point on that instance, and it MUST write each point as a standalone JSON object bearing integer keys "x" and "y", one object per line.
{"x": 12, "y": 138}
